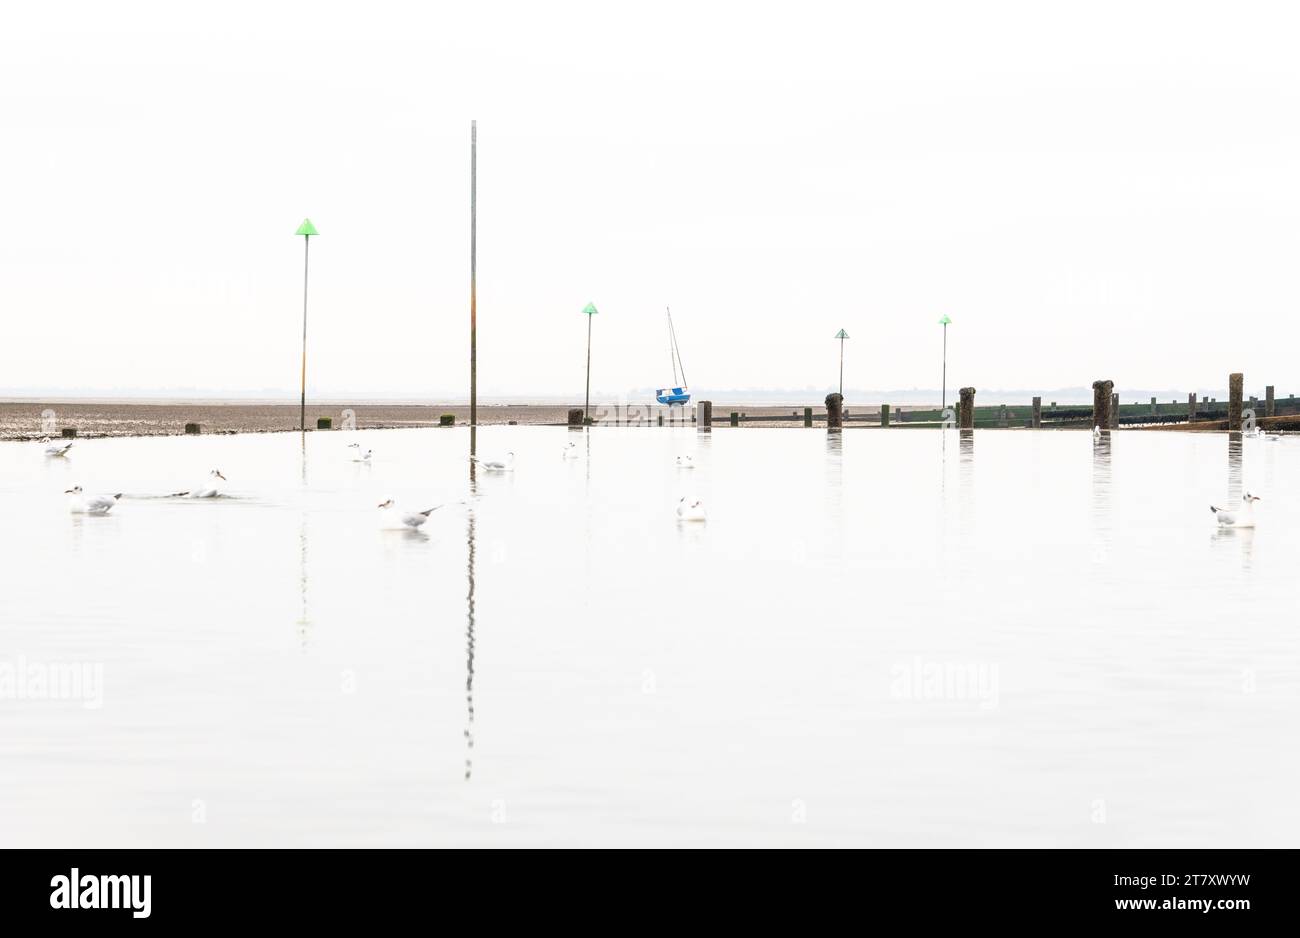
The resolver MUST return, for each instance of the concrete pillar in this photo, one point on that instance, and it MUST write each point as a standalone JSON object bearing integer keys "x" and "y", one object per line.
{"x": 807, "y": 416}
{"x": 704, "y": 415}
{"x": 834, "y": 411}
{"x": 1270, "y": 402}
{"x": 884, "y": 415}
{"x": 967, "y": 414}
{"x": 1037, "y": 420}
{"x": 192, "y": 429}
{"x": 1235, "y": 381}
{"x": 575, "y": 416}
{"x": 1101, "y": 401}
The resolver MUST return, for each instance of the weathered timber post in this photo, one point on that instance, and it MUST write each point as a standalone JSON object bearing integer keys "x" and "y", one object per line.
{"x": 1270, "y": 402}
{"x": 704, "y": 415}
{"x": 1114, "y": 412}
{"x": 1191, "y": 407}
{"x": 324, "y": 423}
{"x": 1037, "y": 420}
{"x": 1254, "y": 406}
{"x": 834, "y": 411}
{"x": 1235, "y": 381}
{"x": 1002, "y": 415}
{"x": 192, "y": 429}
{"x": 1101, "y": 401}
{"x": 966, "y": 417}
{"x": 1155, "y": 408}
{"x": 69, "y": 433}
{"x": 735, "y": 418}
{"x": 575, "y": 416}
{"x": 807, "y": 416}
{"x": 884, "y": 415}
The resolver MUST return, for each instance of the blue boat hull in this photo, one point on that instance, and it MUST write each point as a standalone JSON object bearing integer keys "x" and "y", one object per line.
{"x": 673, "y": 396}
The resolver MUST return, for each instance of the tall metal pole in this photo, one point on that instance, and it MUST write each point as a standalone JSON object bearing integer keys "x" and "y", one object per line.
{"x": 473, "y": 273}
{"x": 302, "y": 401}
{"x": 841, "y": 367}
{"x": 586, "y": 404}
{"x": 944, "y": 392}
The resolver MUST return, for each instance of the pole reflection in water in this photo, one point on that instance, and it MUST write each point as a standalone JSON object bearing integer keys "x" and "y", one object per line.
{"x": 469, "y": 615}
{"x": 1236, "y": 488}
{"x": 304, "y": 621}
{"x": 1101, "y": 499}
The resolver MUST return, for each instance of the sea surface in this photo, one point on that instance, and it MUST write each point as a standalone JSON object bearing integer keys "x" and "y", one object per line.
{"x": 877, "y": 638}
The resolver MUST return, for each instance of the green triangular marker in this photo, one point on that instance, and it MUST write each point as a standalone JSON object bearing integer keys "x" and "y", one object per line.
{"x": 841, "y": 334}
{"x": 590, "y": 309}
{"x": 307, "y": 228}
{"x": 945, "y": 320}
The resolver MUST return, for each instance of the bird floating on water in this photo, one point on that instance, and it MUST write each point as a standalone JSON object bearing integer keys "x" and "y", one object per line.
{"x": 496, "y": 465}
{"x": 82, "y": 504}
{"x": 692, "y": 510}
{"x": 409, "y": 520}
{"x": 685, "y": 462}
{"x": 570, "y": 451}
{"x": 359, "y": 455}
{"x": 1234, "y": 518}
{"x": 1096, "y": 433}
{"x": 56, "y": 450}
{"x": 209, "y": 488}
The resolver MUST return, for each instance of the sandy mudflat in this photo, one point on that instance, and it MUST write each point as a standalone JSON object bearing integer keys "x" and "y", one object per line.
{"x": 32, "y": 419}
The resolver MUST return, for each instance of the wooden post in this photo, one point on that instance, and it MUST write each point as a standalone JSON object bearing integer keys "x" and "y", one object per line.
{"x": 967, "y": 413}
{"x": 735, "y": 419}
{"x": 884, "y": 415}
{"x": 1101, "y": 401}
{"x": 1191, "y": 407}
{"x": 1114, "y": 411}
{"x": 1036, "y": 421}
{"x": 1003, "y": 418}
{"x": 1270, "y": 402}
{"x": 1235, "y": 381}
{"x": 807, "y": 416}
{"x": 192, "y": 429}
{"x": 834, "y": 411}
{"x": 324, "y": 423}
{"x": 575, "y": 416}
{"x": 704, "y": 415}
{"x": 1155, "y": 408}
{"x": 69, "y": 433}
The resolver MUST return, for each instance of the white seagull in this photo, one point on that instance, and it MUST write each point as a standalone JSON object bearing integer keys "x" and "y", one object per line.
{"x": 209, "y": 488}
{"x": 1096, "y": 433}
{"x": 82, "y": 504}
{"x": 570, "y": 451}
{"x": 692, "y": 510}
{"x": 409, "y": 520}
{"x": 56, "y": 449}
{"x": 1244, "y": 518}
{"x": 496, "y": 465}
{"x": 685, "y": 462}
{"x": 360, "y": 456}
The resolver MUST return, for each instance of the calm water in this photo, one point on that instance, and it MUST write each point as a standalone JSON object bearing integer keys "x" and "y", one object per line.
{"x": 889, "y": 638}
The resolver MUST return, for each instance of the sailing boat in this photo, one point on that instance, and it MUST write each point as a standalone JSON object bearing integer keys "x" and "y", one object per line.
{"x": 674, "y": 395}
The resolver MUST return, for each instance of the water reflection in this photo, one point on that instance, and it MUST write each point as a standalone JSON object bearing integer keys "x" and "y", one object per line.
{"x": 304, "y": 620}
{"x": 470, "y": 556}
{"x": 1234, "y": 468}
{"x": 1102, "y": 532}
{"x": 1244, "y": 537}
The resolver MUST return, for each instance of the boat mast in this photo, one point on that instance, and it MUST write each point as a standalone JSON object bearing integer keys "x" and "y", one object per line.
{"x": 672, "y": 346}
{"x": 677, "y": 352}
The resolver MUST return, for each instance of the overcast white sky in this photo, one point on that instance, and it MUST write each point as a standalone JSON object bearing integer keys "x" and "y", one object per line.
{"x": 1088, "y": 190}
